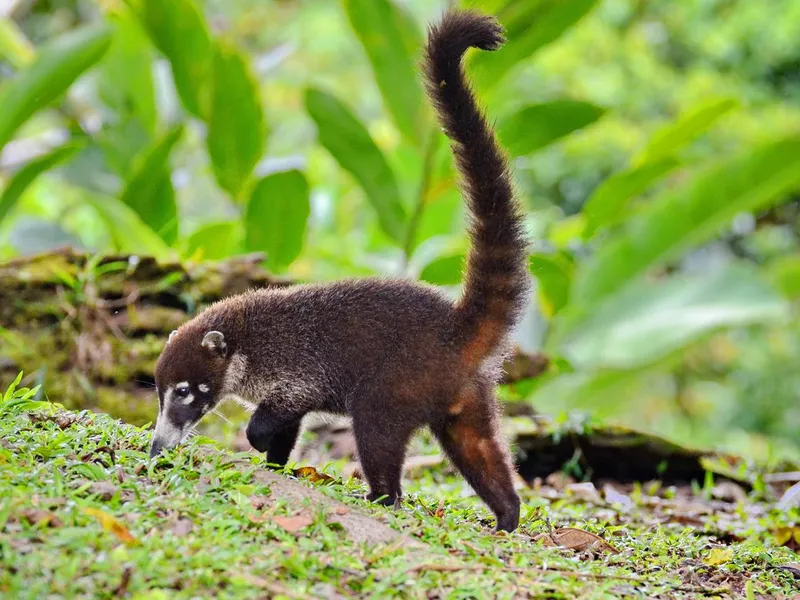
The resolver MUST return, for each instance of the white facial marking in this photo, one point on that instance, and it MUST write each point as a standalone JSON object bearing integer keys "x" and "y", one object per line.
{"x": 167, "y": 433}
{"x": 188, "y": 400}
{"x": 203, "y": 388}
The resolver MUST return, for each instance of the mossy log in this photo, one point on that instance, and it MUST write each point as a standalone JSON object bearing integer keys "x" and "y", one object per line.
{"x": 91, "y": 328}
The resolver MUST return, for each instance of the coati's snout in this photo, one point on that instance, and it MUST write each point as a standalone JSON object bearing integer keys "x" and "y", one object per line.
{"x": 189, "y": 378}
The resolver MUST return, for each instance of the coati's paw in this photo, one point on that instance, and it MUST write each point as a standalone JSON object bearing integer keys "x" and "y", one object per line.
{"x": 384, "y": 499}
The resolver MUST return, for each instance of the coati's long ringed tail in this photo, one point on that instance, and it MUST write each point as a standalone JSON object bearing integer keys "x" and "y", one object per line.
{"x": 497, "y": 280}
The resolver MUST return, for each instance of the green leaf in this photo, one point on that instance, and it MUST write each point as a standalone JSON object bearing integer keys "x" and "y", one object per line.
{"x": 236, "y": 128}
{"x": 58, "y": 65}
{"x": 530, "y": 25}
{"x": 610, "y": 201}
{"x": 784, "y": 272}
{"x": 447, "y": 270}
{"x": 148, "y": 190}
{"x": 215, "y": 241}
{"x": 128, "y": 232}
{"x": 27, "y": 174}
{"x": 690, "y": 214}
{"x": 539, "y": 125}
{"x": 276, "y": 217}
{"x": 179, "y": 31}
{"x": 553, "y": 273}
{"x": 126, "y": 73}
{"x": 686, "y": 128}
{"x": 383, "y": 32}
{"x": 646, "y": 322}
{"x": 604, "y": 393}
{"x": 15, "y": 48}
{"x": 346, "y": 138}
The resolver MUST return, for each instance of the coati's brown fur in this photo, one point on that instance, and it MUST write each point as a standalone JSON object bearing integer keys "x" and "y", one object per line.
{"x": 393, "y": 354}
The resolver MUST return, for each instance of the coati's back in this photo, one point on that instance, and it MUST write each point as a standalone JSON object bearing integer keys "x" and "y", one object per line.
{"x": 394, "y": 354}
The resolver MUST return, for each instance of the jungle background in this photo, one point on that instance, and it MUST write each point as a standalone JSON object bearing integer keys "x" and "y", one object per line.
{"x": 158, "y": 155}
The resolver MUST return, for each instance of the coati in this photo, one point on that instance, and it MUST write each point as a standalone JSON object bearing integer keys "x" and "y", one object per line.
{"x": 393, "y": 354}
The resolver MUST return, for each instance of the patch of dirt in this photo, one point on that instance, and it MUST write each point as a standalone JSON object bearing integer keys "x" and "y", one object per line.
{"x": 358, "y": 526}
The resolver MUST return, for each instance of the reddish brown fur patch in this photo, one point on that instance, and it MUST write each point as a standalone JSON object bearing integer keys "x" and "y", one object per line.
{"x": 481, "y": 343}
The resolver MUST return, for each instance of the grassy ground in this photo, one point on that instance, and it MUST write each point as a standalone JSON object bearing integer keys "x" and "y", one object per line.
{"x": 83, "y": 513}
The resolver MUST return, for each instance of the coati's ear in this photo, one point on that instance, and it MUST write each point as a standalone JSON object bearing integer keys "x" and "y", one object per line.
{"x": 215, "y": 341}
{"x": 171, "y": 335}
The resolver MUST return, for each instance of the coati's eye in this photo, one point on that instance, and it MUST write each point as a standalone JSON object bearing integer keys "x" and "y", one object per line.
{"x": 182, "y": 390}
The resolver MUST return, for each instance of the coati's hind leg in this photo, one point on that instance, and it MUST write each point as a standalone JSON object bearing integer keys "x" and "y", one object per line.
{"x": 381, "y": 442}
{"x": 470, "y": 437}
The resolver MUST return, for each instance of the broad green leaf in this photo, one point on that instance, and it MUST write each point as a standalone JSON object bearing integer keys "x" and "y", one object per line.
{"x": 689, "y": 126}
{"x": 57, "y": 66}
{"x": 610, "y": 201}
{"x": 148, "y": 190}
{"x": 128, "y": 232}
{"x": 27, "y": 174}
{"x": 383, "y": 32}
{"x": 530, "y": 25}
{"x": 346, "y": 138}
{"x": 784, "y": 272}
{"x": 236, "y": 129}
{"x": 553, "y": 272}
{"x": 276, "y": 217}
{"x": 447, "y": 270}
{"x": 539, "y": 125}
{"x": 215, "y": 241}
{"x": 648, "y": 321}
{"x": 125, "y": 80}
{"x": 179, "y": 31}
{"x": 690, "y": 214}
{"x": 604, "y": 393}
{"x": 15, "y": 48}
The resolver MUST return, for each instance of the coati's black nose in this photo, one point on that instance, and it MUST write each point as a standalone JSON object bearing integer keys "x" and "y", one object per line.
{"x": 155, "y": 448}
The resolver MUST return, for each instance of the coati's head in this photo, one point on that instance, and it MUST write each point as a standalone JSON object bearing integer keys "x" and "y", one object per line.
{"x": 191, "y": 375}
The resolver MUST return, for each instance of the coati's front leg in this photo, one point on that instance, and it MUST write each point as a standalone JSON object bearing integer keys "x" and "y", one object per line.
{"x": 274, "y": 433}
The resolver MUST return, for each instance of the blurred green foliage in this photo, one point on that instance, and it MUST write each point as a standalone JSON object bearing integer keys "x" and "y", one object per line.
{"x": 656, "y": 147}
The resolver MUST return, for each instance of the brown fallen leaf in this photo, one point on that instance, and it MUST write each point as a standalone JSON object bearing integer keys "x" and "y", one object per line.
{"x": 579, "y": 540}
{"x": 110, "y": 523}
{"x": 42, "y": 518}
{"x": 312, "y": 475}
{"x": 294, "y": 523}
{"x": 182, "y": 527}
